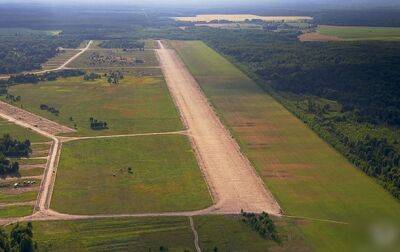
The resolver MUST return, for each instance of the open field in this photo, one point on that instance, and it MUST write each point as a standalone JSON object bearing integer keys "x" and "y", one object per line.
{"x": 94, "y": 178}
{"x": 115, "y": 58}
{"x": 239, "y": 18}
{"x": 226, "y": 233}
{"x": 11, "y": 112}
{"x": 349, "y": 33}
{"x": 230, "y": 233}
{"x": 307, "y": 176}
{"x": 136, "y": 105}
{"x": 59, "y": 59}
{"x": 19, "y": 133}
{"x": 134, "y": 234}
{"x": 15, "y": 211}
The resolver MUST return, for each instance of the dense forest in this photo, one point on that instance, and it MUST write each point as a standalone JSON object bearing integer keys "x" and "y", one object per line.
{"x": 346, "y": 91}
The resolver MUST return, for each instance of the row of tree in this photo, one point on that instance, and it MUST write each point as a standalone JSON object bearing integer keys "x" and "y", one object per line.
{"x": 262, "y": 224}
{"x": 124, "y": 44}
{"x": 19, "y": 239}
{"x": 12, "y": 148}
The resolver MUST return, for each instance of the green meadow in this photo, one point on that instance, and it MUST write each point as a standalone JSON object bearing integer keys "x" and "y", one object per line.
{"x": 136, "y": 105}
{"x": 129, "y": 175}
{"x": 360, "y": 32}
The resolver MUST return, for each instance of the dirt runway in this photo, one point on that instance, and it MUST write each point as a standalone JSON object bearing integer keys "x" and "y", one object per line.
{"x": 234, "y": 184}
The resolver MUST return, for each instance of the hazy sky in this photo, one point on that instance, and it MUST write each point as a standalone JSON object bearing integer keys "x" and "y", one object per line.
{"x": 202, "y": 3}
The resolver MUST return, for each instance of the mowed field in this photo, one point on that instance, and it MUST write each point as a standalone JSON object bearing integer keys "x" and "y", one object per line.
{"x": 350, "y": 33}
{"x": 136, "y": 105}
{"x": 308, "y": 177}
{"x": 10, "y": 195}
{"x": 226, "y": 233}
{"x": 94, "y": 176}
{"x": 134, "y": 234}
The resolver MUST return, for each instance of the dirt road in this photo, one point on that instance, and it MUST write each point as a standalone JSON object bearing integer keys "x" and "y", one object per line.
{"x": 230, "y": 176}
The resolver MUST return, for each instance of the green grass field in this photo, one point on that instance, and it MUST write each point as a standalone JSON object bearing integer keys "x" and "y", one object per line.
{"x": 93, "y": 176}
{"x": 226, "y": 233}
{"x": 136, "y": 105}
{"x": 306, "y": 175}
{"x": 134, "y": 234}
{"x": 229, "y": 233}
{"x": 19, "y": 132}
{"x": 360, "y": 32}
{"x": 20, "y": 197}
{"x": 15, "y": 211}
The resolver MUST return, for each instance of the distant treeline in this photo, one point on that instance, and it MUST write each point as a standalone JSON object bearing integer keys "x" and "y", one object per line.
{"x": 35, "y": 78}
{"x": 123, "y": 43}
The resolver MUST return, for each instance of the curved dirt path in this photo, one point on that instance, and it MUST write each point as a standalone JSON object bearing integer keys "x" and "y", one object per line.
{"x": 233, "y": 182}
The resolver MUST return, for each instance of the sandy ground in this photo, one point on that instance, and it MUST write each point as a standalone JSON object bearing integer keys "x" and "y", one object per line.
{"x": 232, "y": 180}
{"x": 13, "y": 113}
{"x": 315, "y": 36}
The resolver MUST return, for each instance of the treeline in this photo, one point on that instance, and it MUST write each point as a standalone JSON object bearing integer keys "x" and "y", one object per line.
{"x": 124, "y": 44}
{"x": 361, "y": 77}
{"x": 19, "y": 239}
{"x": 12, "y": 148}
{"x": 35, "y": 78}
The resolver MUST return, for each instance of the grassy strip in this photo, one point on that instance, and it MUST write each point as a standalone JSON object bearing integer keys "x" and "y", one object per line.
{"x": 15, "y": 211}
{"x": 134, "y": 234}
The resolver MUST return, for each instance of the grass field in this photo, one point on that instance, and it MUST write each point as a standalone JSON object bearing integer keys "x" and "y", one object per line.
{"x": 306, "y": 175}
{"x": 93, "y": 176}
{"x": 136, "y": 105}
{"x": 15, "y": 211}
{"x": 115, "y": 58}
{"x": 229, "y": 233}
{"x": 139, "y": 234}
{"x": 226, "y": 233}
{"x": 360, "y": 32}
{"x": 20, "y": 133}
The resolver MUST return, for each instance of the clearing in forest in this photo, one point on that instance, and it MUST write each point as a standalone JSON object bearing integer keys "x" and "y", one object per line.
{"x": 351, "y": 33}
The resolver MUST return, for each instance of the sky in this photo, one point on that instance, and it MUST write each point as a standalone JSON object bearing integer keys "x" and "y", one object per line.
{"x": 204, "y": 3}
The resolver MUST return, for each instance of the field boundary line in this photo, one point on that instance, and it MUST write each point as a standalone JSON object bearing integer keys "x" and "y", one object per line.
{"x": 195, "y": 234}
{"x": 69, "y": 139}
{"x": 315, "y": 219}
